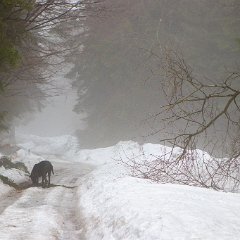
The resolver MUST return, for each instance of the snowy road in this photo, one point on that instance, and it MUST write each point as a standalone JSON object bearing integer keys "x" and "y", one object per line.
{"x": 104, "y": 201}
{"x": 53, "y": 213}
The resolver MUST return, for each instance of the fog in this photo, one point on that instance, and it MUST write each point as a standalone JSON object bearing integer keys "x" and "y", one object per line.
{"x": 115, "y": 85}
{"x": 57, "y": 117}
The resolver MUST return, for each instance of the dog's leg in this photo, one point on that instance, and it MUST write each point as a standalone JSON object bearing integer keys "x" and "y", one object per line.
{"x": 49, "y": 175}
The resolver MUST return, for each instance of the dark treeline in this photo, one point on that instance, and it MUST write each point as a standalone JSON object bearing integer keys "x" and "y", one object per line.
{"x": 116, "y": 48}
{"x": 117, "y": 72}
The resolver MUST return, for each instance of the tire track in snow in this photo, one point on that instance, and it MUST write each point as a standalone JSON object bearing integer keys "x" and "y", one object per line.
{"x": 8, "y": 199}
{"x": 68, "y": 175}
{"x": 12, "y": 196}
{"x": 60, "y": 201}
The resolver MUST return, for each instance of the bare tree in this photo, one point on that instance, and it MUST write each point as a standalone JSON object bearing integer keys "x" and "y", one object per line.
{"x": 41, "y": 46}
{"x": 33, "y": 28}
{"x": 197, "y": 106}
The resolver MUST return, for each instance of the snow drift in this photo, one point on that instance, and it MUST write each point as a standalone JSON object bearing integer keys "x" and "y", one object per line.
{"x": 115, "y": 205}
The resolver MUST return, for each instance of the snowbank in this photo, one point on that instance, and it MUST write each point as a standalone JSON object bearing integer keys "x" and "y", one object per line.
{"x": 117, "y": 206}
{"x": 62, "y": 145}
{"x": 113, "y": 205}
{"x": 18, "y": 176}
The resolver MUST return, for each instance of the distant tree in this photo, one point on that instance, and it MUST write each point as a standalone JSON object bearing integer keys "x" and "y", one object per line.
{"x": 115, "y": 71}
{"x": 27, "y": 30}
{"x": 31, "y": 49}
{"x": 200, "y": 107}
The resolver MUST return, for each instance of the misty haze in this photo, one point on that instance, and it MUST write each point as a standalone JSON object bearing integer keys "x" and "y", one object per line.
{"x": 131, "y": 108}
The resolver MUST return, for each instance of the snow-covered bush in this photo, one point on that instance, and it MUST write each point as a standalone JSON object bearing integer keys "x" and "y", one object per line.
{"x": 194, "y": 168}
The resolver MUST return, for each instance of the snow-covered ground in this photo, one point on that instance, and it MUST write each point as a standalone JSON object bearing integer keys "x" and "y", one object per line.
{"x": 106, "y": 202}
{"x": 118, "y": 206}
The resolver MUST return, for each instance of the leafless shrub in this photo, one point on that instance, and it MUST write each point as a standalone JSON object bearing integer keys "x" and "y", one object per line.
{"x": 194, "y": 168}
{"x": 197, "y": 106}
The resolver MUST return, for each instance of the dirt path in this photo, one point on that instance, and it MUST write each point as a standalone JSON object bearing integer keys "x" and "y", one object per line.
{"x": 61, "y": 199}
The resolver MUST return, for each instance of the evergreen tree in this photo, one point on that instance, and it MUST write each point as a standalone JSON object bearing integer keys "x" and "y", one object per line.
{"x": 116, "y": 70}
{"x": 30, "y": 50}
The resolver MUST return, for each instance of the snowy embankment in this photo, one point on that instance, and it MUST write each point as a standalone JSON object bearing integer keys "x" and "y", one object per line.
{"x": 114, "y": 205}
{"x": 118, "y": 206}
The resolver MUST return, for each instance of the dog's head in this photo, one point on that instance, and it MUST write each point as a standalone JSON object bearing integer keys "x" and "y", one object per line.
{"x": 34, "y": 175}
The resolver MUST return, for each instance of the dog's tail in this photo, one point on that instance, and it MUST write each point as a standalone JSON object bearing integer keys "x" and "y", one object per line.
{"x": 52, "y": 170}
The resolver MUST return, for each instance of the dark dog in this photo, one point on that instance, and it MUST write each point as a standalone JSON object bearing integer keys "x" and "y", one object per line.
{"x": 41, "y": 170}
